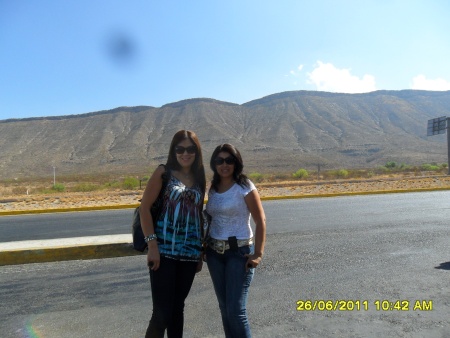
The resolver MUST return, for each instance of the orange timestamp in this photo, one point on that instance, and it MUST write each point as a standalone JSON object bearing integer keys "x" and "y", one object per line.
{"x": 364, "y": 305}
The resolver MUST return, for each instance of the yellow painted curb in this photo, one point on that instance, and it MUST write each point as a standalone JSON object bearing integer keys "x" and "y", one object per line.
{"x": 56, "y": 254}
{"x": 45, "y": 211}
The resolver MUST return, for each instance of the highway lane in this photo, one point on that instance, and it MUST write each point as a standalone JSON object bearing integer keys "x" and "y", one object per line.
{"x": 404, "y": 209}
{"x": 373, "y": 249}
{"x": 65, "y": 225}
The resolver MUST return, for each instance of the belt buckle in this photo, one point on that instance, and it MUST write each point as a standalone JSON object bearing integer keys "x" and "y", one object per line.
{"x": 222, "y": 250}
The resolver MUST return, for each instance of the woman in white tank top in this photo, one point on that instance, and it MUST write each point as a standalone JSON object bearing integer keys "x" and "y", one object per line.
{"x": 233, "y": 252}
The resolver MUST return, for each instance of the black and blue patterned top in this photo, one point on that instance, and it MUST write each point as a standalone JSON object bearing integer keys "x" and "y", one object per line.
{"x": 178, "y": 225}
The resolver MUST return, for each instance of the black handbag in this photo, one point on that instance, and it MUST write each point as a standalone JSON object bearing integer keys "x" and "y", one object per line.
{"x": 139, "y": 243}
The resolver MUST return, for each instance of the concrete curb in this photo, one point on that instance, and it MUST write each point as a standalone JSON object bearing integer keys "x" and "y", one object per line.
{"x": 53, "y": 250}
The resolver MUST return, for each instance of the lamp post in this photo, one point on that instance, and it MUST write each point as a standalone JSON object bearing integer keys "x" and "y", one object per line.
{"x": 448, "y": 145}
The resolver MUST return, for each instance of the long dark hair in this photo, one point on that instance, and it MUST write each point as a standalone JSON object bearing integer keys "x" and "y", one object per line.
{"x": 238, "y": 176}
{"x": 197, "y": 167}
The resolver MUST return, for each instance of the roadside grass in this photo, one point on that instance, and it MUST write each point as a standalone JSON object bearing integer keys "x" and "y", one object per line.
{"x": 390, "y": 170}
{"x": 88, "y": 183}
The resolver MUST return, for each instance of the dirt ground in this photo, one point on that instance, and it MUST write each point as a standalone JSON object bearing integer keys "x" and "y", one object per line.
{"x": 64, "y": 200}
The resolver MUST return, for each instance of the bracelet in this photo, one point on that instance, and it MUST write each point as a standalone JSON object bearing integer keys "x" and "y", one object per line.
{"x": 150, "y": 238}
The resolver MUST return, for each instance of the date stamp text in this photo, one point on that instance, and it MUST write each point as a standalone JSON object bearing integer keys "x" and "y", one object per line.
{"x": 364, "y": 305}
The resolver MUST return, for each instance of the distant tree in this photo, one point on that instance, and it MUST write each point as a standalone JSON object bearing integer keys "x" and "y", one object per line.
{"x": 390, "y": 165}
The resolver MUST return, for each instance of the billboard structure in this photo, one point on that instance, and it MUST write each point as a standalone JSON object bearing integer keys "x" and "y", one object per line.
{"x": 438, "y": 126}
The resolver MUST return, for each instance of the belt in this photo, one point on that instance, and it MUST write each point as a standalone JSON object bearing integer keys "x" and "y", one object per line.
{"x": 221, "y": 246}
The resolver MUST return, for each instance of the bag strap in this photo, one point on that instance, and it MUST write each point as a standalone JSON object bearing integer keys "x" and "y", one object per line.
{"x": 165, "y": 178}
{"x": 207, "y": 219}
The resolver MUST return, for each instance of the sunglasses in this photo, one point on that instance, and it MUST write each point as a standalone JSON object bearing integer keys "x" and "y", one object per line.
{"x": 190, "y": 150}
{"x": 220, "y": 160}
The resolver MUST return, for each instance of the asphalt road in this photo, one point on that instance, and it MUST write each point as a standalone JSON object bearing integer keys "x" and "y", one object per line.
{"x": 282, "y": 215}
{"x": 372, "y": 266}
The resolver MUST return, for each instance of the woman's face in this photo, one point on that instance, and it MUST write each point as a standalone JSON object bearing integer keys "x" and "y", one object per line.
{"x": 224, "y": 163}
{"x": 185, "y": 152}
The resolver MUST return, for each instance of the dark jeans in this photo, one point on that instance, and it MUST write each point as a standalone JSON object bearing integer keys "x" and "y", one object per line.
{"x": 231, "y": 283}
{"x": 170, "y": 286}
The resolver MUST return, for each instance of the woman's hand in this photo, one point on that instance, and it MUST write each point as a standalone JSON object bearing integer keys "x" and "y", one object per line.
{"x": 153, "y": 258}
{"x": 252, "y": 261}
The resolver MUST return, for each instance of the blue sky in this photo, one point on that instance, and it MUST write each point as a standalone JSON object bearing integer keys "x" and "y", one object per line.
{"x": 78, "y": 56}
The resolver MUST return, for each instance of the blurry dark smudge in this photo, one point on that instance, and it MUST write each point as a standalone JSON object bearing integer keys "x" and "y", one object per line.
{"x": 121, "y": 48}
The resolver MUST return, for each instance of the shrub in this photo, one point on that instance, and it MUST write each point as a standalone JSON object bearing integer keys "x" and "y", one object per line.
{"x": 390, "y": 165}
{"x": 405, "y": 167}
{"x": 301, "y": 173}
{"x": 113, "y": 185}
{"x": 59, "y": 187}
{"x": 381, "y": 170}
{"x": 357, "y": 173}
{"x": 430, "y": 167}
{"x": 85, "y": 187}
{"x": 342, "y": 173}
{"x": 256, "y": 177}
{"x": 130, "y": 183}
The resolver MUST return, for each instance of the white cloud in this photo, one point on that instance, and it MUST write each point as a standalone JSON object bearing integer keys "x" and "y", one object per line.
{"x": 327, "y": 77}
{"x": 295, "y": 73}
{"x": 421, "y": 82}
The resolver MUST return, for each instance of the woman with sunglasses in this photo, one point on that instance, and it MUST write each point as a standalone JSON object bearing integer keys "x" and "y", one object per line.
{"x": 174, "y": 238}
{"x": 233, "y": 253}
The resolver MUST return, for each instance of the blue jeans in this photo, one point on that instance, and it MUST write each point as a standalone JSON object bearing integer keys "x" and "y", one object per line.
{"x": 170, "y": 285}
{"x": 231, "y": 283}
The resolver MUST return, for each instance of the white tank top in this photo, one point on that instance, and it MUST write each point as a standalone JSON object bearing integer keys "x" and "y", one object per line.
{"x": 229, "y": 212}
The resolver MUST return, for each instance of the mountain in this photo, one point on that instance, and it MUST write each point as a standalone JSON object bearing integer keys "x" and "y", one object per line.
{"x": 277, "y": 133}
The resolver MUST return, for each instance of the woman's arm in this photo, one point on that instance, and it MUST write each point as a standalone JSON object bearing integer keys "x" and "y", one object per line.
{"x": 253, "y": 202}
{"x": 150, "y": 195}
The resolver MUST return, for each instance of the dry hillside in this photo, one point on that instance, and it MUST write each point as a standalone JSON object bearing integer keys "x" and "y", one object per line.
{"x": 278, "y": 133}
